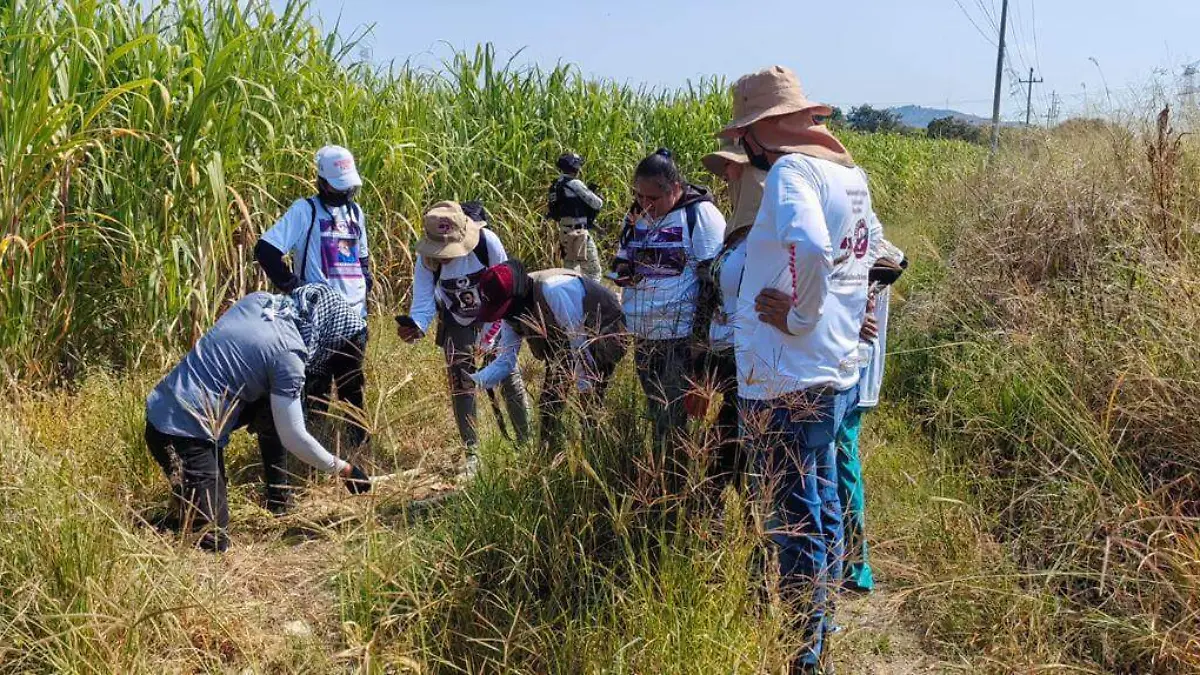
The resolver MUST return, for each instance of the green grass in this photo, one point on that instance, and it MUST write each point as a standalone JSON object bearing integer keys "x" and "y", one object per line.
{"x": 1046, "y": 360}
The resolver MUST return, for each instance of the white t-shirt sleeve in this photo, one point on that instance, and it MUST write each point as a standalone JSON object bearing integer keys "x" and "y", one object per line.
{"x": 801, "y": 228}
{"x": 423, "y": 306}
{"x": 505, "y": 362}
{"x": 490, "y": 335}
{"x": 709, "y": 233}
{"x": 287, "y": 234}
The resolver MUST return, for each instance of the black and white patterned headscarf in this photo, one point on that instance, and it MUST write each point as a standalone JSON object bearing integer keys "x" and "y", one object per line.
{"x": 327, "y": 324}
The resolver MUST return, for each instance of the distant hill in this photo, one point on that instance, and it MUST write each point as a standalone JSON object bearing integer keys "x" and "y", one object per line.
{"x": 920, "y": 116}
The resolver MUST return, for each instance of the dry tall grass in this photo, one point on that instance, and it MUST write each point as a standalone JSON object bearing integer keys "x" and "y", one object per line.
{"x": 1058, "y": 363}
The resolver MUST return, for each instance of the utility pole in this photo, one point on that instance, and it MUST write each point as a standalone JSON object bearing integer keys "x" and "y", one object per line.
{"x": 1029, "y": 96}
{"x": 999, "y": 78}
{"x": 1052, "y": 112}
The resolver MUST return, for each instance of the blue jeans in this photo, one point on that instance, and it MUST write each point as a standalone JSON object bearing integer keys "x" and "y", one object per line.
{"x": 793, "y": 438}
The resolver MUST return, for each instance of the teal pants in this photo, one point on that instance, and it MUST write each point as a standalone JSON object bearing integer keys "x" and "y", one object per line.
{"x": 857, "y": 572}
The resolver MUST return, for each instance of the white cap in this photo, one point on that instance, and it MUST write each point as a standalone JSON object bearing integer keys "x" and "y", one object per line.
{"x": 336, "y": 165}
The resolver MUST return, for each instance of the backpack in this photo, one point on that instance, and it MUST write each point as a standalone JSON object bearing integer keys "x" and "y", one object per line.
{"x": 561, "y": 205}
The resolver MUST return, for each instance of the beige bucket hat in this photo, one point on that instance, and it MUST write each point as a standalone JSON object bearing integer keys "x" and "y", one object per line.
{"x": 449, "y": 233}
{"x": 768, "y": 93}
{"x": 729, "y": 153}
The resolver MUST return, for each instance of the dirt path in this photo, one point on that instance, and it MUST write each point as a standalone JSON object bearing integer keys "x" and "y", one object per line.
{"x": 876, "y": 639}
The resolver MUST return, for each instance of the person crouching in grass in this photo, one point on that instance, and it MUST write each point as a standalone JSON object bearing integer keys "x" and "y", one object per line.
{"x": 458, "y": 247}
{"x": 570, "y": 321}
{"x": 249, "y": 370}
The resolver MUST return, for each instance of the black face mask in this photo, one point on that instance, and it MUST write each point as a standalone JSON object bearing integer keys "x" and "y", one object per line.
{"x": 334, "y": 198}
{"x": 758, "y": 161}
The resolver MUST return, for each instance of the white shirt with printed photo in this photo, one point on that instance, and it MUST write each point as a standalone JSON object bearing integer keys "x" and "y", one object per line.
{"x": 326, "y": 245}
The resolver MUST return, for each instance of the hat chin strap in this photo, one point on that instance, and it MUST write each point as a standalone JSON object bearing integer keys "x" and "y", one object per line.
{"x": 757, "y": 160}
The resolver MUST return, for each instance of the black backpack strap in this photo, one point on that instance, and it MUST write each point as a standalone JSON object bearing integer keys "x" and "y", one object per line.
{"x": 307, "y": 239}
{"x": 481, "y": 251}
{"x": 556, "y": 197}
{"x": 692, "y": 216}
{"x": 629, "y": 224}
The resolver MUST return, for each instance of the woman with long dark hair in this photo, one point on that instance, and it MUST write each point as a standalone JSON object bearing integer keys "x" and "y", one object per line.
{"x": 671, "y": 235}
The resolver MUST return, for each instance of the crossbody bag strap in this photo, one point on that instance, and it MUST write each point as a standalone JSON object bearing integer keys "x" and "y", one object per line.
{"x": 307, "y": 241}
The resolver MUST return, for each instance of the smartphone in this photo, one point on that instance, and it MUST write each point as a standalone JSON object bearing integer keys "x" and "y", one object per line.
{"x": 406, "y": 321}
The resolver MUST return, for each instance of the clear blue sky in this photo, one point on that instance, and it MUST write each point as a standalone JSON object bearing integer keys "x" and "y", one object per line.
{"x": 883, "y": 52}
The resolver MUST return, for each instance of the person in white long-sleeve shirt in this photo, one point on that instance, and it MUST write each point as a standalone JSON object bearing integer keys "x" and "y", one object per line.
{"x": 801, "y": 305}
{"x": 574, "y": 205}
{"x": 249, "y": 370}
{"x": 454, "y": 253}
{"x": 571, "y": 322}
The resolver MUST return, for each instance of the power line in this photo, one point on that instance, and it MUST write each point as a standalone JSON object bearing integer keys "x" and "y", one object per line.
{"x": 1036, "y": 56}
{"x": 989, "y": 15}
{"x": 1018, "y": 36}
{"x": 972, "y": 20}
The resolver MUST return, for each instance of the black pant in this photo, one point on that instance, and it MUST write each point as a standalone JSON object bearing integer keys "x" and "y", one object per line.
{"x": 257, "y": 418}
{"x": 196, "y": 470}
{"x": 345, "y": 370}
